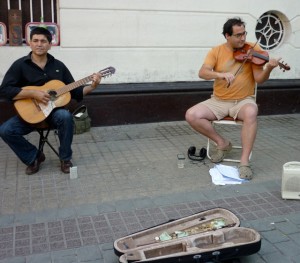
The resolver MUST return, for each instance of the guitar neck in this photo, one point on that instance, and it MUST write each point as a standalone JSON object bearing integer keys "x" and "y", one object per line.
{"x": 104, "y": 73}
{"x": 73, "y": 85}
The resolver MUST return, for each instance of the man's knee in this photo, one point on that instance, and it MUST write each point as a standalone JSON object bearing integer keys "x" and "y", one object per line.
{"x": 63, "y": 115}
{"x": 4, "y": 130}
{"x": 190, "y": 115}
{"x": 249, "y": 112}
{"x": 252, "y": 110}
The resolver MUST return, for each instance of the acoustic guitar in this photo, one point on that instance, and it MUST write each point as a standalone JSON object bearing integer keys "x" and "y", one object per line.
{"x": 34, "y": 112}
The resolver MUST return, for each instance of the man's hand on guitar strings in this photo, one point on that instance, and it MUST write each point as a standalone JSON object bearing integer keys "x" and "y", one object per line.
{"x": 41, "y": 96}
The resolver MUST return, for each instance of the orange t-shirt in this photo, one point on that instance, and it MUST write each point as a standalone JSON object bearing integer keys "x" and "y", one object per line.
{"x": 221, "y": 59}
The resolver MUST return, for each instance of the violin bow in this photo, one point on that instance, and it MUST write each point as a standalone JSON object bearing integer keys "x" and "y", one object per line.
{"x": 246, "y": 57}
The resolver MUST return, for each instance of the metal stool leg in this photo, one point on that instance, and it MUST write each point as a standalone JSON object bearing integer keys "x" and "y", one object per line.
{"x": 44, "y": 139}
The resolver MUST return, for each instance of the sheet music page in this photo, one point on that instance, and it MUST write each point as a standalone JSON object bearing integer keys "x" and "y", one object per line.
{"x": 224, "y": 174}
{"x": 46, "y": 109}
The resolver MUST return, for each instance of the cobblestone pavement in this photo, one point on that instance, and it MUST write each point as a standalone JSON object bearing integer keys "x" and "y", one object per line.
{"x": 128, "y": 180}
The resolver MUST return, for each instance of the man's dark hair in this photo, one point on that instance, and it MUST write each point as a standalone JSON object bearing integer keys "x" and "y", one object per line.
{"x": 227, "y": 28}
{"x": 41, "y": 31}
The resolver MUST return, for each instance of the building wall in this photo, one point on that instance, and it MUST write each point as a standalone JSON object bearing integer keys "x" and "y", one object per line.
{"x": 157, "y": 40}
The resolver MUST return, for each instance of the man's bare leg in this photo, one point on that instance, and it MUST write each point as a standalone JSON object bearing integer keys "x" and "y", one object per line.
{"x": 248, "y": 114}
{"x": 200, "y": 117}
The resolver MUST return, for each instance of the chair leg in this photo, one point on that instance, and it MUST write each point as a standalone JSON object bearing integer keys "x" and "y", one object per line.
{"x": 234, "y": 146}
{"x": 226, "y": 159}
{"x": 53, "y": 149}
{"x": 44, "y": 139}
{"x": 208, "y": 149}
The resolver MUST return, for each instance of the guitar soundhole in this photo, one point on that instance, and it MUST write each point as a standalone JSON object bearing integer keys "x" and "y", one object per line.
{"x": 52, "y": 94}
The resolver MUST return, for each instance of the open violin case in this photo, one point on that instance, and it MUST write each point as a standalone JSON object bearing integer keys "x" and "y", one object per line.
{"x": 212, "y": 235}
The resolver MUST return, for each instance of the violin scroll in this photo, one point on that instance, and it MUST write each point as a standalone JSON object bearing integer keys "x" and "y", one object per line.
{"x": 283, "y": 66}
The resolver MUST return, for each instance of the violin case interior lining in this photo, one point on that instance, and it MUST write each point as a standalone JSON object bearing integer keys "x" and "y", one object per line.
{"x": 213, "y": 234}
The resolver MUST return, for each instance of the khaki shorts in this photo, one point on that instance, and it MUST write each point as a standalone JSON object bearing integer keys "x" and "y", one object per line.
{"x": 223, "y": 108}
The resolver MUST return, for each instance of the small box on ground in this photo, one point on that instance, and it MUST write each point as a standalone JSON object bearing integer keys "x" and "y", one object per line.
{"x": 290, "y": 187}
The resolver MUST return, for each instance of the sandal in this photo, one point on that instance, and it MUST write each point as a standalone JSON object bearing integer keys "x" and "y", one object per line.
{"x": 245, "y": 172}
{"x": 220, "y": 154}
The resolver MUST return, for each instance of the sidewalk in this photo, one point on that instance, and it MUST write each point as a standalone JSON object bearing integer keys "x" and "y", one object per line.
{"x": 128, "y": 180}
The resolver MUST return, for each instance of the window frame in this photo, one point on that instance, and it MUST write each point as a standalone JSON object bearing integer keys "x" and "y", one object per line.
{"x": 33, "y": 11}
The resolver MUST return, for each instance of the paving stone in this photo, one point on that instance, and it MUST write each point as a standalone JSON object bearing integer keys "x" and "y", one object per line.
{"x": 72, "y": 235}
{"x": 6, "y": 220}
{"x": 57, "y": 245}
{"x": 66, "y": 213}
{"x": 45, "y": 258}
{"x": 287, "y": 228}
{"x": 6, "y": 254}
{"x": 295, "y": 237}
{"x": 91, "y": 240}
{"x": 266, "y": 247}
{"x": 14, "y": 260}
{"x": 86, "y": 209}
{"x": 89, "y": 253}
{"x": 26, "y": 218}
{"x": 295, "y": 218}
{"x": 162, "y": 200}
{"x": 22, "y": 251}
{"x": 251, "y": 259}
{"x": 142, "y": 203}
{"x": 106, "y": 207}
{"x": 294, "y": 258}
{"x": 275, "y": 236}
{"x": 40, "y": 248}
{"x": 288, "y": 248}
{"x": 47, "y": 215}
{"x": 66, "y": 259}
{"x": 7, "y": 237}
{"x": 109, "y": 256}
{"x": 64, "y": 256}
{"x": 73, "y": 243}
{"x": 115, "y": 198}
{"x": 277, "y": 257}
{"x": 22, "y": 242}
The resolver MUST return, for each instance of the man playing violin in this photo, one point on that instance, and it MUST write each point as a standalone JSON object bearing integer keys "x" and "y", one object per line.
{"x": 233, "y": 94}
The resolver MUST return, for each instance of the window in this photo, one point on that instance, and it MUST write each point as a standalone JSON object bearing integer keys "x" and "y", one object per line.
{"x": 31, "y": 11}
{"x": 270, "y": 30}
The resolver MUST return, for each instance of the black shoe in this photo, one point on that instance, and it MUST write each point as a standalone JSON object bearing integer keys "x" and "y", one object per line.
{"x": 65, "y": 166}
{"x": 35, "y": 166}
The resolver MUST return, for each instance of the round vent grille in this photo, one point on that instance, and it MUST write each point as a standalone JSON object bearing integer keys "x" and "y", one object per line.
{"x": 270, "y": 30}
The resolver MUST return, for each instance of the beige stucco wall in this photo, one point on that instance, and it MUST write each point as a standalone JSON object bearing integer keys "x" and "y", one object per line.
{"x": 157, "y": 40}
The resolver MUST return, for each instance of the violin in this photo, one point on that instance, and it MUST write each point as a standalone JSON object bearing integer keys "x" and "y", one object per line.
{"x": 260, "y": 58}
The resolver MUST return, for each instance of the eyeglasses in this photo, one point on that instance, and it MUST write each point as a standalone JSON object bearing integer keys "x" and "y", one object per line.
{"x": 240, "y": 35}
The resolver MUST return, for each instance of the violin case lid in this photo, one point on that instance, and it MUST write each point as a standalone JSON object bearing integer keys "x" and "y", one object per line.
{"x": 209, "y": 235}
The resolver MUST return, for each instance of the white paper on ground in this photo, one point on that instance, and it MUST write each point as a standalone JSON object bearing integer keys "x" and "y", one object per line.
{"x": 224, "y": 174}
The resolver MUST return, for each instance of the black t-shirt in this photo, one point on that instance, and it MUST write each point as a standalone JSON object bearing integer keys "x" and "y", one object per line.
{"x": 23, "y": 72}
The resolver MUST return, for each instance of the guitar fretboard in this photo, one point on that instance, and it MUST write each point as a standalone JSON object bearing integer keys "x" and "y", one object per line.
{"x": 73, "y": 85}
{"x": 104, "y": 73}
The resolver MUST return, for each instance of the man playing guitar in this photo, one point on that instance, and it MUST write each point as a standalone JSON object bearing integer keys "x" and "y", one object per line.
{"x": 36, "y": 69}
